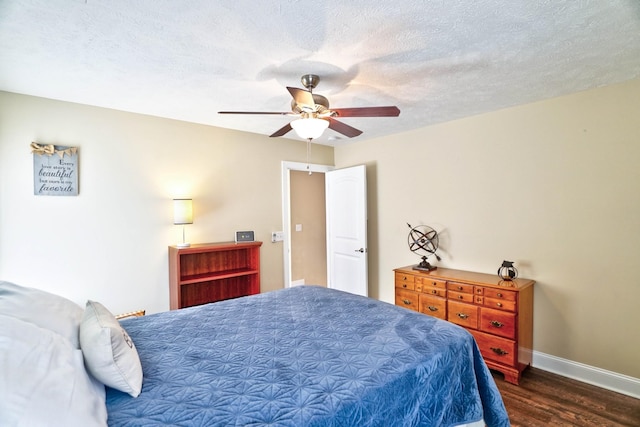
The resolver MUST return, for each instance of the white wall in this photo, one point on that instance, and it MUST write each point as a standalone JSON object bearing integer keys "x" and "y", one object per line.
{"x": 110, "y": 242}
{"x": 553, "y": 186}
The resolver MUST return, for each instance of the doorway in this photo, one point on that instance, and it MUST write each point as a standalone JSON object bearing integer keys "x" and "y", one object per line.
{"x": 301, "y": 200}
{"x": 345, "y": 200}
{"x": 308, "y": 229}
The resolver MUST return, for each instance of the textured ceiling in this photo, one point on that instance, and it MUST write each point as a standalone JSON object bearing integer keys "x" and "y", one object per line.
{"x": 436, "y": 60}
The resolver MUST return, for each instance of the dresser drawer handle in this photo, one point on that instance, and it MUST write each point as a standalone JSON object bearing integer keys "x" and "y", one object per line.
{"x": 404, "y": 278}
{"x": 462, "y": 315}
{"x": 434, "y": 291}
{"x": 434, "y": 283}
{"x": 460, "y": 288}
{"x": 497, "y": 324}
{"x": 404, "y": 285}
{"x": 499, "y": 295}
{"x": 499, "y": 351}
{"x": 460, "y": 297}
{"x": 499, "y": 304}
{"x": 406, "y": 301}
{"x": 432, "y": 308}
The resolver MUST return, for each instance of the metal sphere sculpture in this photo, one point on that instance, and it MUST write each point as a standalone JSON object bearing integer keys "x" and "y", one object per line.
{"x": 423, "y": 240}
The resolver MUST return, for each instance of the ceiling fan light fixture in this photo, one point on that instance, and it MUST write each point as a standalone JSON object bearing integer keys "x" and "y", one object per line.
{"x": 315, "y": 115}
{"x": 309, "y": 128}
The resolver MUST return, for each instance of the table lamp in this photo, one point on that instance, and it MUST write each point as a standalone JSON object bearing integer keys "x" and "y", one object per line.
{"x": 183, "y": 214}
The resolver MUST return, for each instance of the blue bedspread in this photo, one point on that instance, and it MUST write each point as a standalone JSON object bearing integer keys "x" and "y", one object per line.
{"x": 305, "y": 356}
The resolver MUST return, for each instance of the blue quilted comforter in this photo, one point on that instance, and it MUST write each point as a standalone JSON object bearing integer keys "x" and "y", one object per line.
{"x": 305, "y": 356}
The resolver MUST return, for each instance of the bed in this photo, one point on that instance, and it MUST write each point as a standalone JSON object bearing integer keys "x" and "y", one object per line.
{"x": 302, "y": 356}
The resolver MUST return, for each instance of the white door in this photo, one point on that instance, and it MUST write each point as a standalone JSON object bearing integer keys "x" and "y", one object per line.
{"x": 346, "y": 194}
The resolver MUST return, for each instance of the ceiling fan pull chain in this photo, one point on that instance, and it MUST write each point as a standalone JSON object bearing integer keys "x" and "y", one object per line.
{"x": 308, "y": 154}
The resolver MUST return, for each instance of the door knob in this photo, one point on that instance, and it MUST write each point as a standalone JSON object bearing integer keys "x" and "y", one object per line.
{"x": 361, "y": 250}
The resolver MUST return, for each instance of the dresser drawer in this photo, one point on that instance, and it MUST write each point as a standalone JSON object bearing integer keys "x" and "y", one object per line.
{"x": 407, "y": 299}
{"x": 435, "y": 292}
{"x": 405, "y": 281}
{"x": 498, "y": 322}
{"x": 462, "y": 314}
{"x": 499, "y": 304}
{"x": 496, "y": 349}
{"x": 429, "y": 284}
{"x": 500, "y": 294}
{"x": 433, "y": 306}
{"x": 460, "y": 287}
{"x": 459, "y": 296}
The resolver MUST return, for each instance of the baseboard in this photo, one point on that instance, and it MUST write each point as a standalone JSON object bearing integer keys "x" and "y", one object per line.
{"x": 588, "y": 374}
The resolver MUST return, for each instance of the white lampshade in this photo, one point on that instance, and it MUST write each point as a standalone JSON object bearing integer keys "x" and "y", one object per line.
{"x": 309, "y": 128}
{"x": 182, "y": 211}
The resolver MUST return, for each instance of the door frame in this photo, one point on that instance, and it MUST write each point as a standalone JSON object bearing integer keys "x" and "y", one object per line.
{"x": 287, "y": 167}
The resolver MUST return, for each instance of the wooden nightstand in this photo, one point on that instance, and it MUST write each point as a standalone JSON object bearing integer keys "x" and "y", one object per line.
{"x": 498, "y": 313}
{"x": 205, "y": 273}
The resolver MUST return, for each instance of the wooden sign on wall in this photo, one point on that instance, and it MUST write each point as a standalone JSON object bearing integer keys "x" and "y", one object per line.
{"x": 55, "y": 170}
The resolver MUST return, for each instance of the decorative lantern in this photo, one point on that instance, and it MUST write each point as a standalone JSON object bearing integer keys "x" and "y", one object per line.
{"x": 507, "y": 271}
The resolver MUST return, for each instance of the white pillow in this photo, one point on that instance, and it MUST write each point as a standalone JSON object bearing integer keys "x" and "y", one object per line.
{"x": 109, "y": 353}
{"x": 43, "y": 380}
{"x": 42, "y": 309}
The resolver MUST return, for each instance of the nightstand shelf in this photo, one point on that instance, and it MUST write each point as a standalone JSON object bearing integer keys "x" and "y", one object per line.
{"x": 205, "y": 273}
{"x": 206, "y": 277}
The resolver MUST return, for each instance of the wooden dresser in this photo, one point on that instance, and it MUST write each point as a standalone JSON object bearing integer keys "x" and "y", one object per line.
{"x": 498, "y": 313}
{"x": 210, "y": 272}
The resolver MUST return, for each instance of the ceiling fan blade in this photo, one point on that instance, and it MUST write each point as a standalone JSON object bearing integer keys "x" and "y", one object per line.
{"x": 389, "y": 111}
{"x": 283, "y": 130}
{"x": 279, "y": 113}
{"x": 344, "y": 129}
{"x": 301, "y": 96}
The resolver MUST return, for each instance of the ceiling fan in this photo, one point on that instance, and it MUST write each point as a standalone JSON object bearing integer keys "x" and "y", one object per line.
{"x": 315, "y": 115}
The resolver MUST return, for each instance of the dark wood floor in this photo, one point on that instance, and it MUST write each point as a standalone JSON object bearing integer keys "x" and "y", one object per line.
{"x": 546, "y": 399}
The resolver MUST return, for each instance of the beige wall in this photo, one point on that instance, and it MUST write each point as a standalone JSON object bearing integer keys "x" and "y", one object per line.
{"x": 553, "y": 186}
{"x": 308, "y": 246}
{"x": 110, "y": 242}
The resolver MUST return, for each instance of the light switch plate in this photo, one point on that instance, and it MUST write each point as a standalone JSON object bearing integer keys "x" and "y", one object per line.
{"x": 244, "y": 236}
